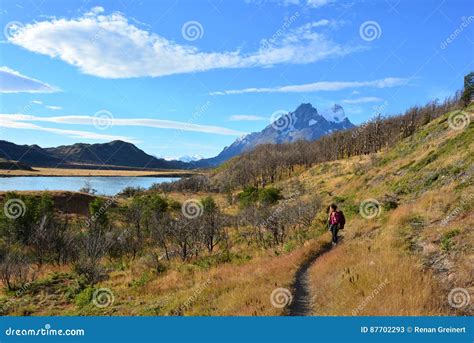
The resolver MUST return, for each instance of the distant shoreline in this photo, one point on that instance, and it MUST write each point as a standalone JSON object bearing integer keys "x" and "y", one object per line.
{"x": 60, "y": 172}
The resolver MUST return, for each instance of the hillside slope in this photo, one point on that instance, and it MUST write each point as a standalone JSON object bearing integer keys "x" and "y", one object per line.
{"x": 413, "y": 253}
{"x": 408, "y": 251}
{"x": 111, "y": 155}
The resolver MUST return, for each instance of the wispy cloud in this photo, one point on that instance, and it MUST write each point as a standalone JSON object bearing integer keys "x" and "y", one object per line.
{"x": 362, "y": 100}
{"x": 54, "y": 108}
{"x": 13, "y": 124}
{"x": 321, "y": 86}
{"x": 309, "y": 3}
{"x": 246, "y": 117}
{"x": 143, "y": 122}
{"x": 318, "y": 3}
{"x": 12, "y": 81}
{"x": 110, "y": 46}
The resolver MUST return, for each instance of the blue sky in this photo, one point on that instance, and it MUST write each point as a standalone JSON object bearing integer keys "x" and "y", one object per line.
{"x": 188, "y": 77}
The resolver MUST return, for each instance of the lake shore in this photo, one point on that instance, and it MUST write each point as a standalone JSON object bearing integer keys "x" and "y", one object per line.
{"x": 63, "y": 172}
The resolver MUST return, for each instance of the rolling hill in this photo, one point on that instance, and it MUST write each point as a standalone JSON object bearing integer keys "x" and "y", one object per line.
{"x": 111, "y": 155}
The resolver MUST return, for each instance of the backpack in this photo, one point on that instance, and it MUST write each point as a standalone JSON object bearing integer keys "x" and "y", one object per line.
{"x": 341, "y": 220}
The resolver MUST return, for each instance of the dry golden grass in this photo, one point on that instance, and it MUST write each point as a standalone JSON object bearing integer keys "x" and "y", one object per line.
{"x": 392, "y": 265}
{"x": 185, "y": 289}
{"x": 400, "y": 263}
{"x": 369, "y": 275}
{"x": 224, "y": 290}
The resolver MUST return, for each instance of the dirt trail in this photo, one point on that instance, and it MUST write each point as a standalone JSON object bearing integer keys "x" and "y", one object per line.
{"x": 301, "y": 304}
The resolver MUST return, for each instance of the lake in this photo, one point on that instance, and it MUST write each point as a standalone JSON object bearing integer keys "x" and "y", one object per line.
{"x": 105, "y": 185}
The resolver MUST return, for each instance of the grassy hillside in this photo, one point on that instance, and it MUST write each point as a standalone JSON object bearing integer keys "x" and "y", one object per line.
{"x": 401, "y": 254}
{"x": 413, "y": 255}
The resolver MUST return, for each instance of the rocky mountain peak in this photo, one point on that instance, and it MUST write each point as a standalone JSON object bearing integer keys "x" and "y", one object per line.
{"x": 304, "y": 123}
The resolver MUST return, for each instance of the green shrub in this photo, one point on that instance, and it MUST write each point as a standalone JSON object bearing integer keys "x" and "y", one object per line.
{"x": 350, "y": 209}
{"x": 446, "y": 239}
{"x": 248, "y": 196}
{"x": 265, "y": 196}
{"x": 432, "y": 156}
{"x": 339, "y": 199}
{"x": 85, "y": 297}
{"x": 289, "y": 246}
{"x": 142, "y": 281}
{"x": 269, "y": 195}
{"x": 207, "y": 262}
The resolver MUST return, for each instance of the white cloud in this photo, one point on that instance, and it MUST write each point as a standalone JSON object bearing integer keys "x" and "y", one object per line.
{"x": 95, "y": 10}
{"x": 309, "y": 3}
{"x": 321, "y": 86}
{"x": 13, "y": 124}
{"x": 143, "y": 122}
{"x": 246, "y": 117}
{"x": 362, "y": 100}
{"x": 109, "y": 46}
{"x": 54, "y": 108}
{"x": 12, "y": 81}
{"x": 318, "y": 3}
{"x": 37, "y": 102}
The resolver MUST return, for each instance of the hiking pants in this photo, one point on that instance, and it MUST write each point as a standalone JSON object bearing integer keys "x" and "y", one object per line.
{"x": 334, "y": 228}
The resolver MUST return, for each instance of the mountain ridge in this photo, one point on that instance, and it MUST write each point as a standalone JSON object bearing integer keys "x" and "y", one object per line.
{"x": 87, "y": 156}
{"x": 305, "y": 123}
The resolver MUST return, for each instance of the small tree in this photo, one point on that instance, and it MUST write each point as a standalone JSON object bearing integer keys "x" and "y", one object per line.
{"x": 26, "y": 212}
{"x": 15, "y": 269}
{"x": 87, "y": 188}
{"x": 98, "y": 215}
{"x": 93, "y": 245}
{"x": 184, "y": 233}
{"x": 211, "y": 223}
{"x": 468, "y": 93}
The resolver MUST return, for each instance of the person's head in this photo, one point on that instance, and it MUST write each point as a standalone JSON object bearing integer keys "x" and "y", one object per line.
{"x": 332, "y": 208}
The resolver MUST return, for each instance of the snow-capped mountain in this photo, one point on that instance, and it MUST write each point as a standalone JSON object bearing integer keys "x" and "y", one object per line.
{"x": 304, "y": 123}
{"x": 187, "y": 158}
{"x": 334, "y": 114}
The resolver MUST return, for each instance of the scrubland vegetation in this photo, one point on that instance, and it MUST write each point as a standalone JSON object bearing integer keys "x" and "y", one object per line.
{"x": 219, "y": 244}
